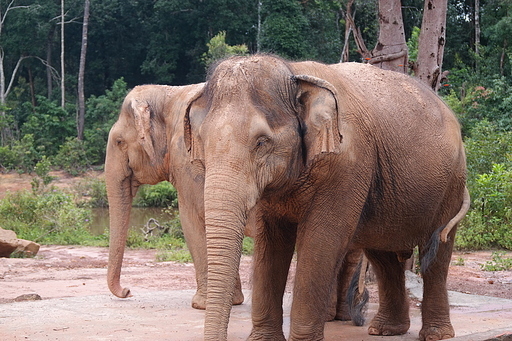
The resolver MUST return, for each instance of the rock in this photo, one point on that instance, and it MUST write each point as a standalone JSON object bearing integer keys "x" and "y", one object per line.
{"x": 28, "y": 297}
{"x": 27, "y": 247}
{"x": 8, "y": 242}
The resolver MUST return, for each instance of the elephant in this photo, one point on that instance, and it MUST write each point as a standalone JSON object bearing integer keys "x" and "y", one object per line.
{"x": 325, "y": 158}
{"x": 145, "y": 146}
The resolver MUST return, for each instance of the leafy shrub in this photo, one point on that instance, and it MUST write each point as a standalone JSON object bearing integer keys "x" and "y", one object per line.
{"x": 51, "y": 217}
{"x": 162, "y": 194}
{"x": 93, "y": 192}
{"x": 72, "y": 157}
{"x": 27, "y": 154}
{"x": 7, "y": 158}
{"x": 489, "y": 222}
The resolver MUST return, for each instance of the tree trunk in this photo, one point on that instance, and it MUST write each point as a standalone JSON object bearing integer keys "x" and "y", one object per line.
{"x": 477, "y": 27}
{"x": 431, "y": 43}
{"x": 49, "y": 83}
{"x": 62, "y": 86}
{"x": 81, "y": 72}
{"x": 390, "y": 53}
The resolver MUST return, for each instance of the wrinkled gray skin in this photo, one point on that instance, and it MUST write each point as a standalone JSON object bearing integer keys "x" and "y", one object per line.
{"x": 323, "y": 157}
{"x": 146, "y": 146}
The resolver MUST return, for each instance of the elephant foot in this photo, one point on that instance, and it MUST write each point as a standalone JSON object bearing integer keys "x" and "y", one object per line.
{"x": 266, "y": 337}
{"x": 437, "y": 333}
{"x": 238, "y": 297}
{"x": 385, "y": 327}
{"x": 199, "y": 299}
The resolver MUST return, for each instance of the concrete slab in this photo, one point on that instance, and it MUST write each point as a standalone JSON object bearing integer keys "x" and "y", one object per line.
{"x": 167, "y": 315}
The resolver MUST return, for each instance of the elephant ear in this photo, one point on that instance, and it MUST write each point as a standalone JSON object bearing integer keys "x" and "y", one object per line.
{"x": 319, "y": 101}
{"x": 142, "y": 115}
{"x": 194, "y": 116}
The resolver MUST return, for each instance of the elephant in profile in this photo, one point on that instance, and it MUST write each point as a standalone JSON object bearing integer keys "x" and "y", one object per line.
{"x": 145, "y": 146}
{"x": 325, "y": 158}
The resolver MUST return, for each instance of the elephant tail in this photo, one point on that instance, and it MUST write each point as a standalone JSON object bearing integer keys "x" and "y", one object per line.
{"x": 441, "y": 234}
{"x": 466, "y": 202}
{"x": 357, "y": 296}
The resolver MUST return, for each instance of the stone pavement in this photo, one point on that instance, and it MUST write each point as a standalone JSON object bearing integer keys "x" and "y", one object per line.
{"x": 167, "y": 315}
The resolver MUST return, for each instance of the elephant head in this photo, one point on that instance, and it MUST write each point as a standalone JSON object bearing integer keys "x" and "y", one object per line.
{"x": 256, "y": 128}
{"x": 141, "y": 150}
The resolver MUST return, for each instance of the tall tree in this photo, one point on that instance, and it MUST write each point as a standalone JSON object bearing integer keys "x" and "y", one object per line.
{"x": 431, "y": 44}
{"x": 5, "y": 131}
{"x": 390, "y": 53}
{"x": 81, "y": 73}
{"x": 62, "y": 74}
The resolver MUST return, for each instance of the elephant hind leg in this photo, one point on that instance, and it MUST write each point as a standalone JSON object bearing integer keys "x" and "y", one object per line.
{"x": 392, "y": 317}
{"x": 435, "y": 308}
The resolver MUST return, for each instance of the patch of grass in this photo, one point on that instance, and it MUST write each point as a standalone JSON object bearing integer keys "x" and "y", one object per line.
{"x": 180, "y": 255}
{"x": 459, "y": 262}
{"x": 498, "y": 263}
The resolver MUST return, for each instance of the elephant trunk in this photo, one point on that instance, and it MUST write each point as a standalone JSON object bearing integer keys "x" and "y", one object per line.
{"x": 120, "y": 203}
{"x": 225, "y": 218}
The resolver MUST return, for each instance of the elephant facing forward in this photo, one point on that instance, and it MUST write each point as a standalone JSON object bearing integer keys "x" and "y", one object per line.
{"x": 325, "y": 157}
{"x": 146, "y": 146}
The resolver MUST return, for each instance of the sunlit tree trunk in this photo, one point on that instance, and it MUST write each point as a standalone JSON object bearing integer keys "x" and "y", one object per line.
{"x": 81, "y": 72}
{"x": 390, "y": 53}
{"x": 62, "y": 85}
{"x": 431, "y": 44}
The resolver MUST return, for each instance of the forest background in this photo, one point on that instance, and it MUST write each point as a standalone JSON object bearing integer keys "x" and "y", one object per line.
{"x": 132, "y": 42}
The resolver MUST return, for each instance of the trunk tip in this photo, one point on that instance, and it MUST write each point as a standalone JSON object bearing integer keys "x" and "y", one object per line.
{"x": 124, "y": 293}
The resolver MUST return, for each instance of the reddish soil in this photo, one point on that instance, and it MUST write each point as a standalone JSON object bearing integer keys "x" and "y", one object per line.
{"x": 65, "y": 271}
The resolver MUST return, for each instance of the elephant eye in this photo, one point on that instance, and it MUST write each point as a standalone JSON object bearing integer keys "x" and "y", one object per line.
{"x": 261, "y": 141}
{"x": 119, "y": 141}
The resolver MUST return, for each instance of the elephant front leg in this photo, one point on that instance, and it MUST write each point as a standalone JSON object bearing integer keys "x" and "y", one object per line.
{"x": 193, "y": 229}
{"x": 273, "y": 251}
{"x": 435, "y": 308}
{"x": 392, "y": 317}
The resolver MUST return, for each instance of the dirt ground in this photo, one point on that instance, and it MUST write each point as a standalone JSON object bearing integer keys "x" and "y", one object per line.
{"x": 67, "y": 271}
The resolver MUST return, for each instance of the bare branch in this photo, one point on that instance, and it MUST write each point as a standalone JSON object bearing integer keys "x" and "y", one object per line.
{"x": 14, "y": 72}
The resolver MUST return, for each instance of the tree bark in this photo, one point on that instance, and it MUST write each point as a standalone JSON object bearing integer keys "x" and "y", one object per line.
{"x": 62, "y": 85}
{"x": 431, "y": 43}
{"x": 390, "y": 53}
{"x": 81, "y": 73}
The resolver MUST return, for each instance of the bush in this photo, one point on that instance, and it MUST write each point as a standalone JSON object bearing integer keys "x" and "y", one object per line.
{"x": 51, "y": 217}
{"x": 489, "y": 223}
{"x": 162, "y": 194}
{"x": 93, "y": 192}
{"x": 72, "y": 157}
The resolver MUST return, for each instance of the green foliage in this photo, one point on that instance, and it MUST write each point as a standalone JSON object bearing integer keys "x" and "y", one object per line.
{"x": 218, "y": 49}
{"x": 162, "y": 194}
{"x": 72, "y": 157}
{"x": 43, "y": 179}
{"x": 412, "y": 44}
{"x": 489, "y": 222}
{"x": 284, "y": 29}
{"x": 50, "y": 118}
{"x": 49, "y": 217}
{"x": 27, "y": 154}
{"x": 93, "y": 192}
{"x": 101, "y": 113}
{"x": 499, "y": 262}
